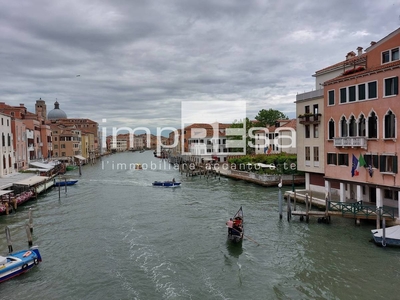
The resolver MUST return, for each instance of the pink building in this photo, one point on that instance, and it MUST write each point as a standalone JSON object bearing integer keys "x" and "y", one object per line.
{"x": 361, "y": 110}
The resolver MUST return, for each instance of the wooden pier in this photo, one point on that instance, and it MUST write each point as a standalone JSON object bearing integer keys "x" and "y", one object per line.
{"x": 358, "y": 210}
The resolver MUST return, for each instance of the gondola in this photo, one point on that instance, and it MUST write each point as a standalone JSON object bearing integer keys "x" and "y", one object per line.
{"x": 235, "y": 234}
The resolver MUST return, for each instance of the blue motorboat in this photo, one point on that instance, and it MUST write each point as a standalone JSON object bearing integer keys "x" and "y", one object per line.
{"x": 18, "y": 263}
{"x": 166, "y": 183}
{"x": 65, "y": 182}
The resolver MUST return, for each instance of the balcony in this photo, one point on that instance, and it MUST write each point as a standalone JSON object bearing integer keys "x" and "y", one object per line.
{"x": 31, "y": 148}
{"x": 308, "y": 119}
{"x": 353, "y": 142}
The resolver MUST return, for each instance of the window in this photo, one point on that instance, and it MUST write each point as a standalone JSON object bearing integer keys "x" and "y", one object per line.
{"x": 343, "y": 159}
{"x": 307, "y": 153}
{"x": 395, "y": 54}
{"x": 393, "y": 195}
{"x": 352, "y": 127}
{"x": 390, "y": 55}
{"x": 63, "y": 146}
{"x": 361, "y": 92}
{"x": 316, "y": 131}
{"x": 371, "y": 159}
{"x": 352, "y": 93}
{"x": 372, "y": 126}
{"x": 361, "y": 126}
{"x": 372, "y": 90}
{"x": 55, "y": 146}
{"x": 315, "y": 109}
{"x": 331, "y": 158}
{"x": 307, "y": 131}
{"x": 388, "y": 163}
{"x": 385, "y": 57}
{"x": 307, "y": 109}
{"x": 331, "y": 97}
{"x": 343, "y": 95}
{"x": 343, "y": 127}
{"x": 390, "y": 125}
{"x": 331, "y": 129}
{"x": 391, "y": 86}
{"x": 316, "y": 154}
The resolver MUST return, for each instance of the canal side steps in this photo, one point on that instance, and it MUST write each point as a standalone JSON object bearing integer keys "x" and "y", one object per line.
{"x": 355, "y": 210}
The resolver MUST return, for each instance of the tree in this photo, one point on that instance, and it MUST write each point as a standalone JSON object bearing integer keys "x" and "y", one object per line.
{"x": 269, "y": 117}
{"x": 246, "y": 137}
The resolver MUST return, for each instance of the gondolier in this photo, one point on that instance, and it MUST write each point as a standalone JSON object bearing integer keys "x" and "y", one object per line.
{"x": 230, "y": 225}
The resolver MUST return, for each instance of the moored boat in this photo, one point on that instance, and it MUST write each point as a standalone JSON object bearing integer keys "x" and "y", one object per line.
{"x": 166, "y": 183}
{"x": 18, "y": 263}
{"x": 235, "y": 234}
{"x": 65, "y": 182}
{"x": 387, "y": 237}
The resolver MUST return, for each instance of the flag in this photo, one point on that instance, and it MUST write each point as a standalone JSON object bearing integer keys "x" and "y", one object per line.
{"x": 354, "y": 171}
{"x": 370, "y": 170}
{"x": 265, "y": 150}
{"x": 361, "y": 161}
{"x": 269, "y": 150}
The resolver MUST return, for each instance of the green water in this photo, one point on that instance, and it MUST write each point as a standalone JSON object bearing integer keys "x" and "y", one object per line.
{"x": 114, "y": 236}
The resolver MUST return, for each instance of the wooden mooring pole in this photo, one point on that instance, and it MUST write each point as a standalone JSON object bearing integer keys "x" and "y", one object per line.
{"x": 9, "y": 241}
{"x": 29, "y": 235}
{"x": 30, "y": 218}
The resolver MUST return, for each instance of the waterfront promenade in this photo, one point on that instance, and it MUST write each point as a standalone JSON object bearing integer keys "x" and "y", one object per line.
{"x": 316, "y": 202}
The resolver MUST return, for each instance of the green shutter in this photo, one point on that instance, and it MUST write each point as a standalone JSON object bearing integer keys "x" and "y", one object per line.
{"x": 396, "y": 85}
{"x": 382, "y": 165}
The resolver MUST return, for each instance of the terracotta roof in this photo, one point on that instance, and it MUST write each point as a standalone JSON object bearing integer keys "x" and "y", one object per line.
{"x": 395, "y": 64}
{"x": 207, "y": 125}
{"x": 292, "y": 123}
{"x": 350, "y": 61}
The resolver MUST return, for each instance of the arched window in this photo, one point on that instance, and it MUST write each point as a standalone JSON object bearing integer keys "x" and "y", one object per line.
{"x": 352, "y": 126}
{"x": 372, "y": 126}
{"x": 361, "y": 125}
{"x": 343, "y": 127}
{"x": 331, "y": 132}
{"x": 390, "y": 125}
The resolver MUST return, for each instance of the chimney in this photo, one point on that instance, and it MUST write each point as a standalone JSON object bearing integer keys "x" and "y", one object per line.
{"x": 21, "y": 105}
{"x": 359, "y": 49}
{"x": 373, "y": 43}
{"x": 350, "y": 55}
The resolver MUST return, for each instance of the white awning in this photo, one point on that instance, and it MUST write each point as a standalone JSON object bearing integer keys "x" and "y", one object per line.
{"x": 265, "y": 166}
{"x": 5, "y": 192}
{"x": 32, "y": 180}
{"x": 80, "y": 157}
{"x": 42, "y": 165}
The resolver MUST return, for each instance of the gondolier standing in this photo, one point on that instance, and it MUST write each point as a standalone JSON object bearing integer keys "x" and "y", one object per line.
{"x": 230, "y": 225}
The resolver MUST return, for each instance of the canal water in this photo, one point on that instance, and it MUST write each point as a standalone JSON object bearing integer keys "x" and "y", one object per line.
{"x": 114, "y": 236}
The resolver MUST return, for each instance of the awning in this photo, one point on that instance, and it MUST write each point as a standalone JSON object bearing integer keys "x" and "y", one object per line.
{"x": 2, "y": 192}
{"x": 32, "y": 180}
{"x": 42, "y": 165}
{"x": 80, "y": 157}
{"x": 265, "y": 166}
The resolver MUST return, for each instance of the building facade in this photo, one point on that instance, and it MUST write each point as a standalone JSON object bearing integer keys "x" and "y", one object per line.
{"x": 7, "y": 158}
{"x": 361, "y": 125}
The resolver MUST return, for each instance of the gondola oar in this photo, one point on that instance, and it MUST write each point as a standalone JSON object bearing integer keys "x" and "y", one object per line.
{"x": 247, "y": 237}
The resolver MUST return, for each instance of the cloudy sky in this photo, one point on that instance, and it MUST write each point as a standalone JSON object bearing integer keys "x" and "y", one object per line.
{"x": 134, "y": 62}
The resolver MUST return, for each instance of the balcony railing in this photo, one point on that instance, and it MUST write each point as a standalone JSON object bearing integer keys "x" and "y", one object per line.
{"x": 31, "y": 148}
{"x": 307, "y": 119}
{"x": 353, "y": 142}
